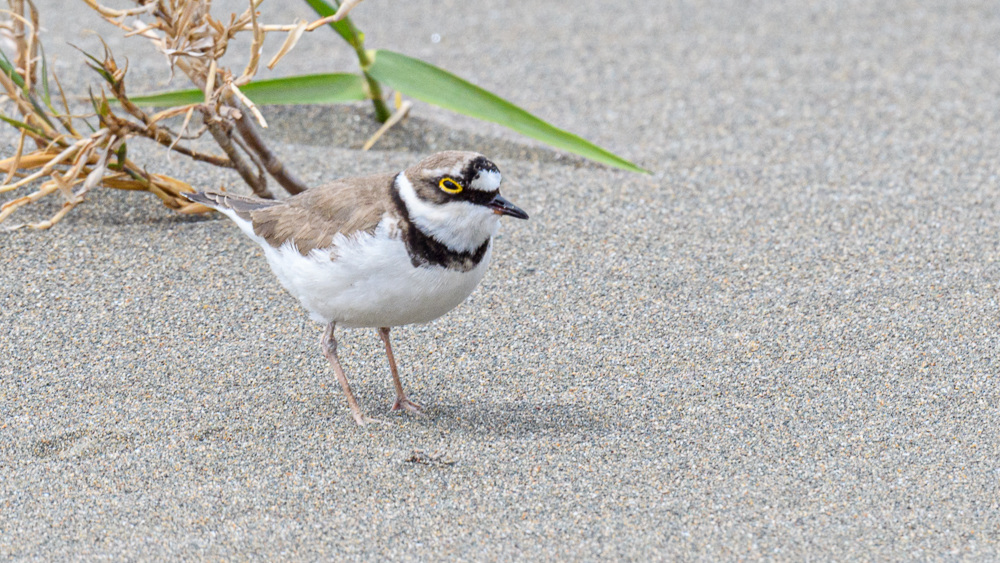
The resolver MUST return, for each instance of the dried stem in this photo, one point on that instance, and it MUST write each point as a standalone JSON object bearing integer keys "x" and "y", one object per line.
{"x": 193, "y": 42}
{"x": 222, "y": 136}
{"x": 273, "y": 166}
{"x": 196, "y": 51}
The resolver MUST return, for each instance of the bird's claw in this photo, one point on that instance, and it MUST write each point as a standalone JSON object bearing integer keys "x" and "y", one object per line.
{"x": 363, "y": 420}
{"x": 402, "y": 403}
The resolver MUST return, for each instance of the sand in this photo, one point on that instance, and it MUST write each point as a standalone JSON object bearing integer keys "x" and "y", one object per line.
{"x": 780, "y": 344}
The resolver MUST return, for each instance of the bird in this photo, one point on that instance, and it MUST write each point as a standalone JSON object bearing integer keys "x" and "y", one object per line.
{"x": 379, "y": 251}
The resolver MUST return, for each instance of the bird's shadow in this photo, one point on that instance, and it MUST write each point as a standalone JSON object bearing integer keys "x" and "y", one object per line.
{"x": 523, "y": 418}
{"x": 510, "y": 419}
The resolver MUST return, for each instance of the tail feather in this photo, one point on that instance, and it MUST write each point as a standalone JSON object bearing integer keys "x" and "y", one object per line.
{"x": 241, "y": 205}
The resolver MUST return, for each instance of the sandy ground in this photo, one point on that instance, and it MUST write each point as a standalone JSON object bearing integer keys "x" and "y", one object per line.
{"x": 781, "y": 344}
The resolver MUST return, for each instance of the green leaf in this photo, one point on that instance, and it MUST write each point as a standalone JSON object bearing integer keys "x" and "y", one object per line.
{"x": 120, "y": 155}
{"x": 46, "y": 95}
{"x": 346, "y": 29}
{"x": 8, "y": 69}
{"x": 433, "y": 85}
{"x": 309, "y": 89}
{"x": 22, "y": 125}
{"x": 101, "y": 107}
{"x": 98, "y": 65}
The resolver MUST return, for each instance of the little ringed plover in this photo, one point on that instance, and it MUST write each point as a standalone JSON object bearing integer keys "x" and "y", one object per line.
{"x": 379, "y": 251}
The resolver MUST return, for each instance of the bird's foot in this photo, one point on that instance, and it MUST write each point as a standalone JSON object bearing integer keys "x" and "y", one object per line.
{"x": 402, "y": 403}
{"x": 365, "y": 420}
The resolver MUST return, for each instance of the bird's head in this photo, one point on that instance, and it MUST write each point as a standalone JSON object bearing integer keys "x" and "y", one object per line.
{"x": 454, "y": 196}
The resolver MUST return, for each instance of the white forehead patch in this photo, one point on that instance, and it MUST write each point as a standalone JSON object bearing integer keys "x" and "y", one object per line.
{"x": 486, "y": 181}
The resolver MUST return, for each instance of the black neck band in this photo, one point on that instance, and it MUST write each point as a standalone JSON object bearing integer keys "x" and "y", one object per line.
{"x": 425, "y": 250}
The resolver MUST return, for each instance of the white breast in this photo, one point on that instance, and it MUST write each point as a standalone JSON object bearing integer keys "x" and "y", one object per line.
{"x": 371, "y": 282}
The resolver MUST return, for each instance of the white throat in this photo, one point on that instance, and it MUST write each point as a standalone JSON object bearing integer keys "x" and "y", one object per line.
{"x": 459, "y": 225}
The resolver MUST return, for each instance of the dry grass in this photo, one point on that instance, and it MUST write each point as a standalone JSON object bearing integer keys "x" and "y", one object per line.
{"x": 64, "y": 155}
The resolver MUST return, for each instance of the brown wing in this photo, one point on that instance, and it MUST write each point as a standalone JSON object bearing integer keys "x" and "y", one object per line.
{"x": 312, "y": 218}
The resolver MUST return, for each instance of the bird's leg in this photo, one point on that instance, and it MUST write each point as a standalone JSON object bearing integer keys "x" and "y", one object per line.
{"x": 329, "y": 345}
{"x": 401, "y": 401}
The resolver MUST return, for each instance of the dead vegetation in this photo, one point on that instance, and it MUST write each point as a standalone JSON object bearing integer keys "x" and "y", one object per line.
{"x": 64, "y": 155}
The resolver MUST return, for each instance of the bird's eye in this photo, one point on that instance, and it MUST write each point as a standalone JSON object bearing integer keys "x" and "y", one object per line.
{"x": 450, "y": 186}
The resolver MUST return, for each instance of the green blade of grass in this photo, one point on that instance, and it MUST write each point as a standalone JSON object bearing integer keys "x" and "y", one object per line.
{"x": 433, "y": 85}
{"x": 356, "y": 39}
{"x": 46, "y": 95}
{"x": 8, "y": 69}
{"x": 22, "y": 125}
{"x": 332, "y": 88}
{"x": 98, "y": 65}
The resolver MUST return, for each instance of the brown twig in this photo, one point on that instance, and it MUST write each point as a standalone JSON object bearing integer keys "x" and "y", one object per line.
{"x": 271, "y": 163}
{"x": 174, "y": 33}
{"x": 193, "y": 41}
{"x": 223, "y": 137}
{"x": 127, "y": 128}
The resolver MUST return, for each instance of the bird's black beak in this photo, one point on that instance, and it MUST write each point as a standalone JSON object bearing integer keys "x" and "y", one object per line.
{"x": 501, "y": 206}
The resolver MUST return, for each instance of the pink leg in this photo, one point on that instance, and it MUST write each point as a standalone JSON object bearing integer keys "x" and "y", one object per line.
{"x": 329, "y": 345}
{"x": 401, "y": 401}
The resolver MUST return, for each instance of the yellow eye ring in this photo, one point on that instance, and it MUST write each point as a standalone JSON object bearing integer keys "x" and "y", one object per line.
{"x": 450, "y": 186}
